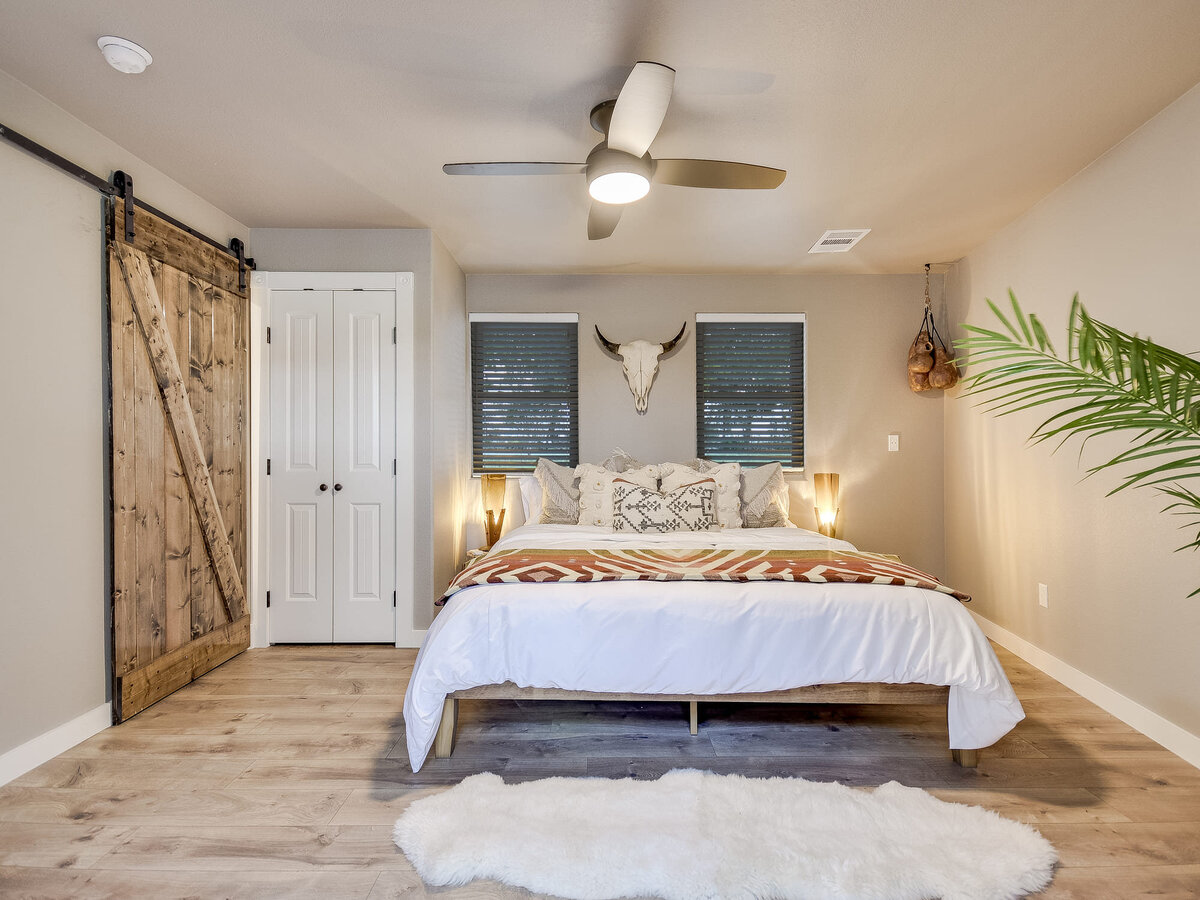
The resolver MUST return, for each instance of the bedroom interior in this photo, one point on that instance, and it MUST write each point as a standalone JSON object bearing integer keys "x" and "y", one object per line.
{"x": 1065, "y": 687}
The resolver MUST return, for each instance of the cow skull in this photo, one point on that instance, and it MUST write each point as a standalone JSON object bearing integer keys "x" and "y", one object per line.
{"x": 640, "y": 360}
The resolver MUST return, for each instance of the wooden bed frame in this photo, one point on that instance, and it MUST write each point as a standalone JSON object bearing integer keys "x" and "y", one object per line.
{"x": 872, "y": 692}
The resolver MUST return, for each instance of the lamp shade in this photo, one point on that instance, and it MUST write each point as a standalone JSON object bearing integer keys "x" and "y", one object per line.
{"x": 492, "y": 488}
{"x": 827, "y": 499}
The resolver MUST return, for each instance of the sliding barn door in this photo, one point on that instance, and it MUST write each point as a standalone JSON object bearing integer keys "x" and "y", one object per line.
{"x": 179, "y": 367}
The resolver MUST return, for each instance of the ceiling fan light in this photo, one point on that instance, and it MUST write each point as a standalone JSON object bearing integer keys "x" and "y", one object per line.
{"x": 619, "y": 187}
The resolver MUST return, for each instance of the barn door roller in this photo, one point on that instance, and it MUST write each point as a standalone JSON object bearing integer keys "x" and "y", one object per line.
{"x": 124, "y": 185}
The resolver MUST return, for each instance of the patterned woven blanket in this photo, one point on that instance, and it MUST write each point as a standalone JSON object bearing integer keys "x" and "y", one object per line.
{"x": 692, "y": 564}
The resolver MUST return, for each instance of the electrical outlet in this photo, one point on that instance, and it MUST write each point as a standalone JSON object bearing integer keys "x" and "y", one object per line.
{"x": 1043, "y": 595}
{"x": 893, "y": 443}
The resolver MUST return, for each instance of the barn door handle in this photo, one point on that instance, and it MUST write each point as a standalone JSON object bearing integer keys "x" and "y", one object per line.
{"x": 324, "y": 488}
{"x": 337, "y": 487}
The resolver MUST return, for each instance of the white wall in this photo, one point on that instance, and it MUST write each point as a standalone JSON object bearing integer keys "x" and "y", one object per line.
{"x": 441, "y": 398}
{"x": 1125, "y": 234}
{"x": 859, "y": 328}
{"x": 54, "y": 598}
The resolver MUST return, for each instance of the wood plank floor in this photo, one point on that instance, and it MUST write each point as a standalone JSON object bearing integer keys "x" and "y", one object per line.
{"x": 280, "y": 774}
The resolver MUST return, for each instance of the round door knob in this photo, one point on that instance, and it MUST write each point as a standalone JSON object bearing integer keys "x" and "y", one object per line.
{"x": 337, "y": 487}
{"x": 324, "y": 487}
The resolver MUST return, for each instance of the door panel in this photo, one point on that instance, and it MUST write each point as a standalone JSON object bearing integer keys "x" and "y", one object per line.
{"x": 364, "y": 436}
{"x": 333, "y": 409}
{"x": 301, "y": 571}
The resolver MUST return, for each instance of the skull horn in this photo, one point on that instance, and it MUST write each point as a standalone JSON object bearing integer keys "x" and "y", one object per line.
{"x": 608, "y": 345}
{"x": 670, "y": 345}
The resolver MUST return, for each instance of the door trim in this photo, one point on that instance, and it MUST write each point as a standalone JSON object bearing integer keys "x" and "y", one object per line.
{"x": 261, "y": 285}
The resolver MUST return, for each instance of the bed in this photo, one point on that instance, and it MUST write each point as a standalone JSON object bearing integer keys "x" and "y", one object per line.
{"x": 692, "y": 640}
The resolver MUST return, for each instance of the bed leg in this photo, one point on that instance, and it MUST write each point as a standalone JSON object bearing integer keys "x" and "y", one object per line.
{"x": 443, "y": 744}
{"x": 968, "y": 759}
{"x": 694, "y": 716}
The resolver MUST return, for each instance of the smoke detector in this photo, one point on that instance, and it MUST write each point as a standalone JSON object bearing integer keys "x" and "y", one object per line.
{"x": 124, "y": 56}
{"x": 839, "y": 240}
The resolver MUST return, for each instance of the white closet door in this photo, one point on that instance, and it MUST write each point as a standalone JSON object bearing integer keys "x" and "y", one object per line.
{"x": 364, "y": 450}
{"x": 302, "y": 461}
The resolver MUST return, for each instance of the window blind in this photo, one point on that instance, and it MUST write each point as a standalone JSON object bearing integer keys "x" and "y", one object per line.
{"x": 524, "y": 394}
{"x": 750, "y": 391}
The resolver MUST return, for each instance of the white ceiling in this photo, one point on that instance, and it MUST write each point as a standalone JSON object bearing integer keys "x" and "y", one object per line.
{"x": 933, "y": 122}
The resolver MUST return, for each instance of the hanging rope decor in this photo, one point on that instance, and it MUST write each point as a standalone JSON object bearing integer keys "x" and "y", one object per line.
{"x": 930, "y": 363}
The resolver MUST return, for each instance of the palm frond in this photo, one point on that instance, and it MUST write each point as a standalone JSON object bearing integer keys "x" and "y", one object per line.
{"x": 1110, "y": 381}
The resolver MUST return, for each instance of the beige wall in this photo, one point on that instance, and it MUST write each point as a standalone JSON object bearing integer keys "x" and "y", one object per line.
{"x": 451, "y": 434}
{"x": 859, "y": 329}
{"x": 439, "y": 346}
{"x": 53, "y": 524}
{"x": 1123, "y": 233}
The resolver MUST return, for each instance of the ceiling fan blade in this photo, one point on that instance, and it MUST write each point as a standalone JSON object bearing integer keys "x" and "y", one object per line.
{"x": 514, "y": 168}
{"x": 602, "y": 220}
{"x": 640, "y": 108}
{"x": 717, "y": 173}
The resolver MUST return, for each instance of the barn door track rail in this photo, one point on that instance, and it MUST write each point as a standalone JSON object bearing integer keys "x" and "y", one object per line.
{"x": 121, "y": 186}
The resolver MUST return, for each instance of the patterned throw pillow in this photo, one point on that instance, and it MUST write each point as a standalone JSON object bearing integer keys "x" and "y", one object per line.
{"x": 560, "y": 493}
{"x": 727, "y": 478}
{"x": 765, "y": 497}
{"x": 596, "y": 491}
{"x": 691, "y": 507}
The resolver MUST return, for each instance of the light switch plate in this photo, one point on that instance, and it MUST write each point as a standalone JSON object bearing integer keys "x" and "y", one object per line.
{"x": 1043, "y": 595}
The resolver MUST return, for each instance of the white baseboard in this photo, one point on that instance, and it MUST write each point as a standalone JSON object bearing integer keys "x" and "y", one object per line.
{"x": 413, "y": 638}
{"x": 1176, "y": 739}
{"x": 31, "y": 754}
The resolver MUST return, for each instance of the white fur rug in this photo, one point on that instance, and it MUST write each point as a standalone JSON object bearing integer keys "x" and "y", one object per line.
{"x": 697, "y": 836}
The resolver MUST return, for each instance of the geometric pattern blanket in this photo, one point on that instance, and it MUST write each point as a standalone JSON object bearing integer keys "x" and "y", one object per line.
{"x": 691, "y": 564}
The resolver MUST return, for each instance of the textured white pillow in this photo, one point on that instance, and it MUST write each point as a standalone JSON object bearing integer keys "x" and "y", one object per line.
{"x": 531, "y": 497}
{"x": 560, "y": 493}
{"x": 728, "y": 479}
{"x": 689, "y": 507}
{"x": 765, "y": 500}
{"x": 596, "y": 490}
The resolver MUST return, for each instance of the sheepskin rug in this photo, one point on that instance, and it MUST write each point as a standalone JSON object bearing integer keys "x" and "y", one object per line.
{"x": 698, "y": 836}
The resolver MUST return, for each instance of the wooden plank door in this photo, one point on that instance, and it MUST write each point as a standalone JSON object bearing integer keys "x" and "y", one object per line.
{"x": 333, "y": 482}
{"x": 301, "y": 561}
{"x": 364, "y": 448}
{"x": 179, "y": 381}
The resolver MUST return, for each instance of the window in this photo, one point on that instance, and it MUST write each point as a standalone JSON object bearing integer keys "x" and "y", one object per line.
{"x": 524, "y": 390}
{"x": 750, "y": 388}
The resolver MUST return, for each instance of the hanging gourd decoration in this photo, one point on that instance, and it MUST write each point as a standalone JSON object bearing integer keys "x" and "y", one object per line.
{"x": 930, "y": 363}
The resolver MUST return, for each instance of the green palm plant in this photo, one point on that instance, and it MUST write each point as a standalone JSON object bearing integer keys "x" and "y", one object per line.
{"x": 1110, "y": 381}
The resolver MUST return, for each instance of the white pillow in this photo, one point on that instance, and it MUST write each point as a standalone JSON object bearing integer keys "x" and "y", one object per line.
{"x": 560, "y": 493}
{"x": 689, "y": 507}
{"x": 765, "y": 500}
{"x": 728, "y": 478}
{"x": 531, "y": 497}
{"x": 596, "y": 490}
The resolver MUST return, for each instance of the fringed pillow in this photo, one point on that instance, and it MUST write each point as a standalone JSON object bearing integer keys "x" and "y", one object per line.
{"x": 689, "y": 507}
{"x": 620, "y": 461}
{"x": 560, "y": 493}
{"x": 765, "y": 497}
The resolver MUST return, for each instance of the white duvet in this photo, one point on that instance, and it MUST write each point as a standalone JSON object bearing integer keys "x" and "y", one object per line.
{"x": 705, "y": 637}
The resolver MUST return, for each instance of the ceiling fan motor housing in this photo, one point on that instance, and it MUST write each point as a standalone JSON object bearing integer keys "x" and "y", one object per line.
{"x": 608, "y": 167}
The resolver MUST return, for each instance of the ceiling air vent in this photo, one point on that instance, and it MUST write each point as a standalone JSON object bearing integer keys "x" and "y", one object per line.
{"x": 839, "y": 240}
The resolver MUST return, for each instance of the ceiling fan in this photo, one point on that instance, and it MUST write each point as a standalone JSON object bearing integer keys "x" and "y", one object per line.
{"x": 619, "y": 169}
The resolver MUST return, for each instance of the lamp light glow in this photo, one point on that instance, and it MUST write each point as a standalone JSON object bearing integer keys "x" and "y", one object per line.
{"x": 619, "y": 187}
{"x": 826, "y": 497}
